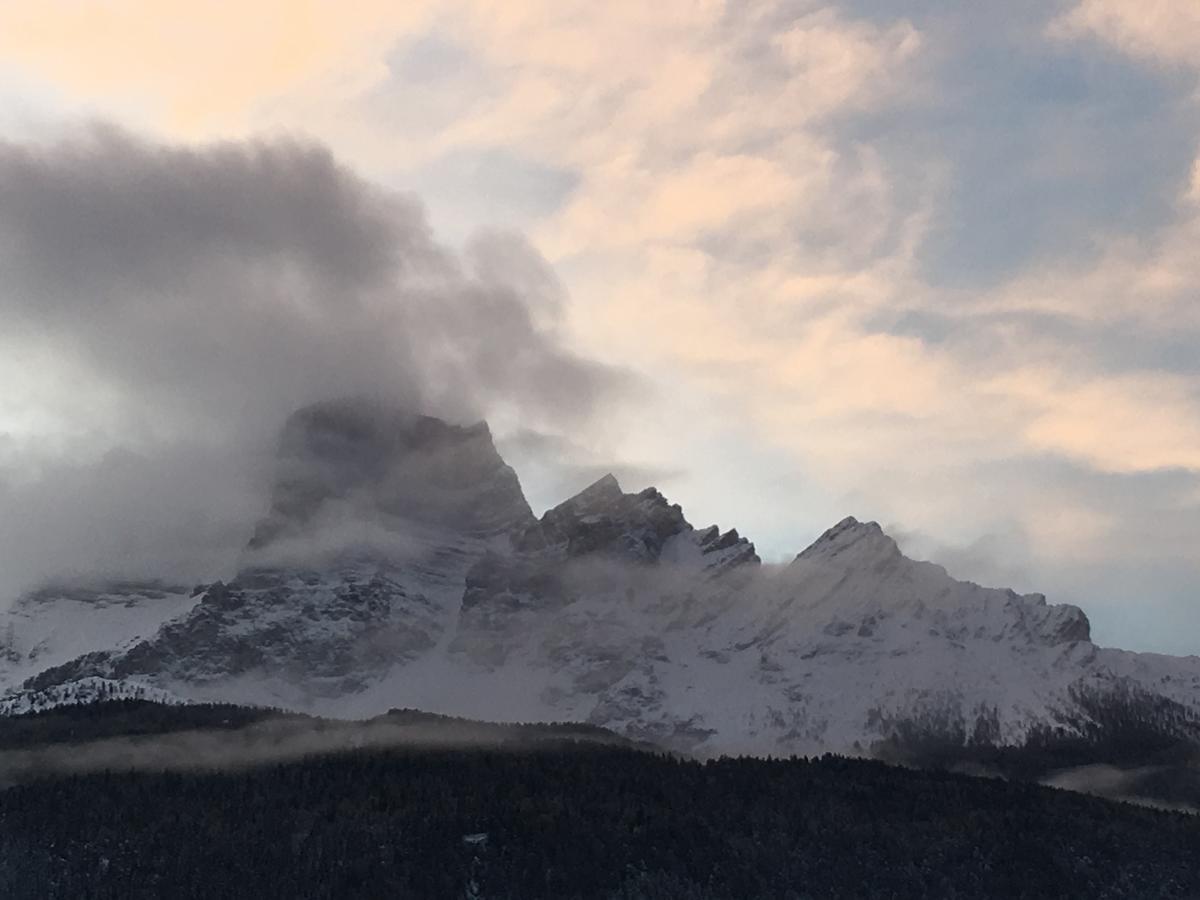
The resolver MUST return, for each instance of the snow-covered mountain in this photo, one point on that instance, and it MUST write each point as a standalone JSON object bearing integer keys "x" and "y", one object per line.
{"x": 400, "y": 566}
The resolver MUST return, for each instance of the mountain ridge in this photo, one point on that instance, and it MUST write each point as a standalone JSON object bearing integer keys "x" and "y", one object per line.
{"x": 399, "y": 564}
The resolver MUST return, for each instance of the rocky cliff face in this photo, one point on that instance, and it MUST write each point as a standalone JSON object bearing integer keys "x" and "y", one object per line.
{"x": 399, "y": 565}
{"x": 352, "y": 465}
{"x": 604, "y": 522}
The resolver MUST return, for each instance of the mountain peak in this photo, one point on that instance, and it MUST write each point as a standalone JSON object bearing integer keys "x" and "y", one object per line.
{"x": 363, "y": 461}
{"x": 601, "y": 518}
{"x": 602, "y": 491}
{"x": 853, "y": 542}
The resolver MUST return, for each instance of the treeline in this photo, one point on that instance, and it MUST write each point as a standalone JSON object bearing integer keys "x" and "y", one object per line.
{"x": 76, "y": 723}
{"x": 566, "y": 819}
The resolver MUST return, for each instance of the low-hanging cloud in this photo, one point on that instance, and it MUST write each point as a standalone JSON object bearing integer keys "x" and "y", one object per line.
{"x": 277, "y": 739}
{"x": 196, "y": 296}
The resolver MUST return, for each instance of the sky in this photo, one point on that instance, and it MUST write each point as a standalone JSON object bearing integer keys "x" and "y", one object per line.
{"x": 923, "y": 263}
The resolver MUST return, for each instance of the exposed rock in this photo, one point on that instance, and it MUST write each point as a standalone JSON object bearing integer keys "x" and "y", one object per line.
{"x": 354, "y": 462}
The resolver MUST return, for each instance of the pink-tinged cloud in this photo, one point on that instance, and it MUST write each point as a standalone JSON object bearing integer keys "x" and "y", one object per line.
{"x": 1160, "y": 31}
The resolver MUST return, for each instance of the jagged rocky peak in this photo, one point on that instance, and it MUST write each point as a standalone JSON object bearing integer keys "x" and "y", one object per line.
{"x": 596, "y": 497}
{"x": 603, "y": 519}
{"x": 360, "y": 460}
{"x": 852, "y": 543}
{"x": 640, "y": 527}
{"x": 1060, "y": 623}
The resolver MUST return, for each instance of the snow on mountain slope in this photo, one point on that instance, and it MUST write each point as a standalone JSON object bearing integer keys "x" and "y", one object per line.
{"x": 399, "y": 565}
{"x": 831, "y": 652}
{"x": 56, "y": 623}
{"x": 83, "y": 691}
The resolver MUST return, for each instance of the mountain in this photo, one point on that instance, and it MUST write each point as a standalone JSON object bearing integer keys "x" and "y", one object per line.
{"x": 400, "y": 565}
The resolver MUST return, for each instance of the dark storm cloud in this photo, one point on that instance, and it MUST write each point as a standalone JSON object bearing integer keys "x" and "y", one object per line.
{"x": 253, "y": 277}
{"x": 206, "y": 293}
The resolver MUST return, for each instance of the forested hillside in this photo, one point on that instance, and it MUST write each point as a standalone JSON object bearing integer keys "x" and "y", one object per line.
{"x": 557, "y": 816}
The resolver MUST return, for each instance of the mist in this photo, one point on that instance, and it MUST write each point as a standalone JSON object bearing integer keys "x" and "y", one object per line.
{"x": 166, "y": 307}
{"x": 273, "y": 740}
{"x": 1144, "y": 785}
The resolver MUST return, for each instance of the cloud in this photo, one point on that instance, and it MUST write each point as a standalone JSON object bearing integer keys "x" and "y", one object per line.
{"x": 1126, "y": 423}
{"x": 1143, "y": 785}
{"x": 988, "y": 559}
{"x": 163, "y": 66}
{"x": 274, "y": 739}
{"x": 181, "y": 510}
{"x": 554, "y": 467}
{"x": 247, "y": 277}
{"x": 202, "y": 293}
{"x": 1166, "y": 32}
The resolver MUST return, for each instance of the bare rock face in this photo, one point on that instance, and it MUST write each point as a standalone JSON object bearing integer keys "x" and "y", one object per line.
{"x": 638, "y": 528}
{"x": 352, "y": 463}
{"x": 601, "y": 519}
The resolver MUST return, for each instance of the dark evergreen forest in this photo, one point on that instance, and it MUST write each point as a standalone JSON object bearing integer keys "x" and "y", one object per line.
{"x": 550, "y": 811}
